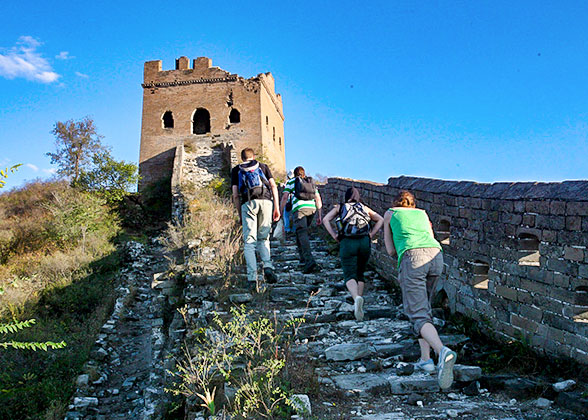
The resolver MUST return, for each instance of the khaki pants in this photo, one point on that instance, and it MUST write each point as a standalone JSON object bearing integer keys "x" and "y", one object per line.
{"x": 420, "y": 269}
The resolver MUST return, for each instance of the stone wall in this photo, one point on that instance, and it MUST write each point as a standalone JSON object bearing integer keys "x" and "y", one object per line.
{"x": 198, "y": 161}
{"x": 515, "y": 253}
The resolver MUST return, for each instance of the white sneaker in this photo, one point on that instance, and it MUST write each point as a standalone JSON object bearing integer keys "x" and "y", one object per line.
{"x": 447, "y": 358}
{"x": 425, "y": 365}
{"x": 358, "y": 308}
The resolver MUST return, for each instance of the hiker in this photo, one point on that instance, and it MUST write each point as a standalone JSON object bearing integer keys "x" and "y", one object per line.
{"x": 409, "y": 233}
{"x": 306, "y": 202}
{"x": 354, "y": 237}
{"x": 287, "y": 213}
{"x": 255, "y": 196}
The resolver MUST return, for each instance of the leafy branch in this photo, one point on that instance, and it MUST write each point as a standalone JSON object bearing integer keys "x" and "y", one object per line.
{"x": 16, "y": 326}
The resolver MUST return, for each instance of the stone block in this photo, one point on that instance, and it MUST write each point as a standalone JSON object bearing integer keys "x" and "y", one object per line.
{"x": 506, "y": 292}
{"x": 524, "y": 323}
{"x": 573, "y": 253}
{"x": 419, "y": 383}
{"x": 577, "y": 208}
{"x": 345, "y": 351}
{"x": 574, "y": 223}
{"x": 557, "y": 208}
{"x": 465, "y": 373}
{"x": 362, "y": 383}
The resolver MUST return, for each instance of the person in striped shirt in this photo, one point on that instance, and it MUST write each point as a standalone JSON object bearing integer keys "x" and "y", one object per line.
{"x": 304, "y": 209}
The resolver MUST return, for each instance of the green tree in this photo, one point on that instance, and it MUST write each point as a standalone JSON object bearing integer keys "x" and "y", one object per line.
{"x": 76, "y": 142}
{"x": 109, "y": 178}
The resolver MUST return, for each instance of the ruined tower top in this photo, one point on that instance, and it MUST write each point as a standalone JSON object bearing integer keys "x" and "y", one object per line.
{"x": 197, "y": 101}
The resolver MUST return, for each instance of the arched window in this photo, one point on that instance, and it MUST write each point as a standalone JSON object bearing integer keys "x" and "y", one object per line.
{"x": 444, "y": 232}
{"x": 201, "y": 121}
{"x": 480, "y": 271}
{"x": 528, "y": 249}
{"x": 274, "y": 133}
{"x": 234, "y": 116}
{"x": 168, "y": 119}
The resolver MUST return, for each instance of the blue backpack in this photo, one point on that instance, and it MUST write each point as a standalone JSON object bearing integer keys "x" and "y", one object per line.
{"x": 252, "y": 181}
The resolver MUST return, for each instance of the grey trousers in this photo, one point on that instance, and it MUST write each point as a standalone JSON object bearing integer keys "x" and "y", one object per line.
{"x": 420, "y": 269}
{"x": 257, "y": 223}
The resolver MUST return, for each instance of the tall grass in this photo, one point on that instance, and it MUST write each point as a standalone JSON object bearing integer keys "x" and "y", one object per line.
{"x": 57, "y": 265}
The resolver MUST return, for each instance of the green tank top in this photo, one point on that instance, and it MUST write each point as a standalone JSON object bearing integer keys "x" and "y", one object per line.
{"x": 411, "y": 229}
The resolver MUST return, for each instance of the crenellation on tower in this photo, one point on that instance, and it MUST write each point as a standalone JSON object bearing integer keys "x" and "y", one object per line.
{"x": 205, "y": 101}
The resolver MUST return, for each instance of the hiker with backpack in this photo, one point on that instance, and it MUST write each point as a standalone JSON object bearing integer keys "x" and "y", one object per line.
{"x": 255, "y": 196}
{"x": 306, "y": 202}
{"x": 287, "y": 212}
{"x": 408, "y": 232}
{"x": 352, "y": 219}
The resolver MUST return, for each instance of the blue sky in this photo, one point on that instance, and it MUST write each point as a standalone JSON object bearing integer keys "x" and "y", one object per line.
{"x": 483, "y": 90}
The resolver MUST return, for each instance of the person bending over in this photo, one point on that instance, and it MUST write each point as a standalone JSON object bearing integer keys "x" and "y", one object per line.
{"x": 408, "y": 233}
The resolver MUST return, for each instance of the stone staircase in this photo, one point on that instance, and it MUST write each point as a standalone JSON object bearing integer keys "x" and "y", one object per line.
{"x": 364, "y": 368}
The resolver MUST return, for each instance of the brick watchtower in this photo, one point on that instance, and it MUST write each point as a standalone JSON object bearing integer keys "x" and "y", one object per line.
{"x": 202, "y": 102}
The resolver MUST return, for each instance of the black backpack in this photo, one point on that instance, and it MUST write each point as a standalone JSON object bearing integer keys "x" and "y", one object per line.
{"x": 304, "y": 188}
{"x": 353, "y": 221}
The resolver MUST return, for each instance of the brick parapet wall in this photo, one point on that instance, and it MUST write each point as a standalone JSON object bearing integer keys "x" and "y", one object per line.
{"x": 542, "y": 299}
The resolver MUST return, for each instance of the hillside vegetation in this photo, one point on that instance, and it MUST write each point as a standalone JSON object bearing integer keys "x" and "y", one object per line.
{"x": 57, "y": 265}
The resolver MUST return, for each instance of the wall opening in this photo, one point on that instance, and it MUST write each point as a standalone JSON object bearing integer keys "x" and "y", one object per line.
{"x": 480, "y": 271}
{"x": 201, "y": 121}
{"x": 234, "y": 116}
{"x": 528, "y": 249}
{"x": 267, "y": 122}
{"x": 581, "y": 304}
{"x": 280, "y": 142}
{"x": 274, "y": 136}
{"x": 444, "y": 232}
{"x": 168, "y": 119}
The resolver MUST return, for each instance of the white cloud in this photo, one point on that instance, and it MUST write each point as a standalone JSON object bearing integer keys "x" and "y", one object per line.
{"x": 50, "y": 171}
{"x": 85, "y": 76}
{"x": 64, "y": 55}
{"x": 33, "y": 167}
{"x": 23, "y": 60}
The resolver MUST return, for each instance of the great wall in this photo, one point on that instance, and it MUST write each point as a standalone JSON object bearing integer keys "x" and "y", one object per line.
{"x": 516, "y": 262}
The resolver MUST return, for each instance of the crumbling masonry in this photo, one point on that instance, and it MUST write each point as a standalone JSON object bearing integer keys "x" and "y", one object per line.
{"x": 206, "y": 111}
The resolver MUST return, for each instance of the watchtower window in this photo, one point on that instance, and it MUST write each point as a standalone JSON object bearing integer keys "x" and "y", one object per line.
{"x": 528, "y": 249}
{"x": 280, "y": 141}
{"x": 581, "y": 304}
{"x": 444, "y": 232}
{"x": 234, "y": 116}
{"x": 274, "y": 133}
{"x": 201, "y": 121}
{"x": 480, "y": 271}
{"x": 267, "y": 122}
{"x": 168, "y": 119}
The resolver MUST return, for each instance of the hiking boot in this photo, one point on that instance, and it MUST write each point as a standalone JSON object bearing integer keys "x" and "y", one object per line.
{"x": 358, "y": 308}
{"x": 425, "y": 365}
{"x": 447, "y": 359}
{"x": 314, "y": 268}
{"x": 269, "y": 275}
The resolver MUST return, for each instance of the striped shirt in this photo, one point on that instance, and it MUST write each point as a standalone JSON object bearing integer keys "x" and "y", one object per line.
{"x": 296, "y": 203}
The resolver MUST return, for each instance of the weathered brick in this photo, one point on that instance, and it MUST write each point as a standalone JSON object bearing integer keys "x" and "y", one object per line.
{"x": 531, "y": 312}
{"x": 524, "y": 297}
{"x": 573, "y": 253}
{"x": 557, "y": 207}
{"x": 519, "y": 206}
{"x": 561, "y": 280}
{"x": 550, "y": 222}
{"x": 524, "y": 323}
{"x": 506, "y": 292}
{"x": 577, "y": 208}
{"x": 548, "y": 235}
{"x": 541, "y": 207}
{"x": 560, "y": 266}
{"x": 573, "y": 223}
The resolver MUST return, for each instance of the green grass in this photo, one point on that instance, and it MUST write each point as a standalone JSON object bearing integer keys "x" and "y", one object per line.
{"x": 38, "y": 385}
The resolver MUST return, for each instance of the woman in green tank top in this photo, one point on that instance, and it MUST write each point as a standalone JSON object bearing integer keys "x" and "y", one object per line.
{"x": 408, "y": 233}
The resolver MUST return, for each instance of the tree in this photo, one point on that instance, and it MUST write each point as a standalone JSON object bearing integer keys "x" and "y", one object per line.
{"x": 76, "y": 142}
{"x": 109, "y": 178}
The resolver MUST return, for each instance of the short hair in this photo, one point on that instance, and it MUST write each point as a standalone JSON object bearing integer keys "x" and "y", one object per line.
{"x": 299, "y": 171}
{"x": 247, "y": 154}
{"x": 404, "y": 198}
